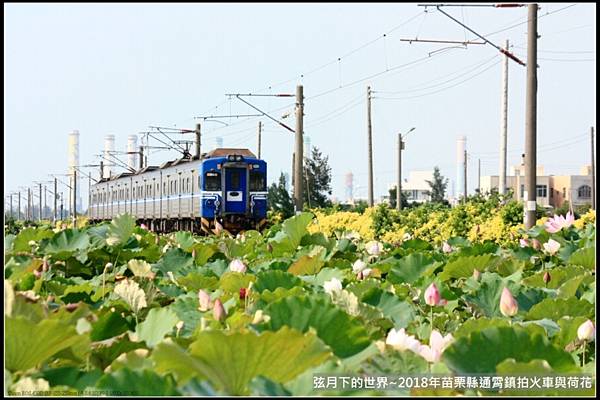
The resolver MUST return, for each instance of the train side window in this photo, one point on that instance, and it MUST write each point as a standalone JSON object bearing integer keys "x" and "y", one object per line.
{"x": 212, "y": 181}
{"x": 257, "y": 181}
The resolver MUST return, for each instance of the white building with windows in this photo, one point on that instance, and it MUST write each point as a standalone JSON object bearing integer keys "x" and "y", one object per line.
{"x": 551, "y": 190}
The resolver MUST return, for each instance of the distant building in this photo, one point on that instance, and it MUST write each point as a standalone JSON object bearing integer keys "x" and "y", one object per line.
{"x": 415, "y": 188}
{"x": 551, "y": 190}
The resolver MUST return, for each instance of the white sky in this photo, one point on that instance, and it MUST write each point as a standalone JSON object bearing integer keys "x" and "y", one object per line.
{"x": 110, "y": 68}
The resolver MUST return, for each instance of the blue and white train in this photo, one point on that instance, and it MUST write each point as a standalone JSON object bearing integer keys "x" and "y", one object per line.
{"x": 225, "y": 186}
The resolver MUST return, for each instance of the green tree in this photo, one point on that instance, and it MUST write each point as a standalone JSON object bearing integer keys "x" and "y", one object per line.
{"x": 438, "y": 186}
{"x": 392, "y": 193}
{"x": 317, "y": 180}
{"x": 279, "y": 199}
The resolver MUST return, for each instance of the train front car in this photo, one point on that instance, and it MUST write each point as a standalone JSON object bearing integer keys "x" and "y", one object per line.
{"x": 233, "y": 186}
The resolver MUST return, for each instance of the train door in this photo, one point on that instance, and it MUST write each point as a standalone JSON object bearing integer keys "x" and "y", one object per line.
{"x": 235, "y": 190}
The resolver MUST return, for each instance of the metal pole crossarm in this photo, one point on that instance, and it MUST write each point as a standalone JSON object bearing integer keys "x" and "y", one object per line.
{"x": 497, "y": 5}
{"x": 165, "y": 135}
{"x": 229, "y": 116}
{"x": 500, "y": 49}
{"x": 441, "y": 41}
{"x": 260, "y": 95}
{"x": 120, "y": 163}
{"x": 87, "y": 175}
{"x": 266, "y": 115}
{"x": 173, "y": 129}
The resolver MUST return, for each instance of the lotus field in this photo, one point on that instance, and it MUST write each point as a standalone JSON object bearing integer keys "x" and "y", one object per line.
{"x": 116, "y": 309}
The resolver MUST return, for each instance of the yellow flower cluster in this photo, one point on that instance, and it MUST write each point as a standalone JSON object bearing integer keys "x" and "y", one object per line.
{"x": 494, "y": 229}
{"x": 394, "y": 236}
{"x": 344, "y": 221}
{"x": 587, "y": 218}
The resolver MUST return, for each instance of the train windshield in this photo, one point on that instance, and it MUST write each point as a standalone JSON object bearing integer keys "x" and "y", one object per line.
{"x": 212, "y": 181}
{"x": 257, "y": 182}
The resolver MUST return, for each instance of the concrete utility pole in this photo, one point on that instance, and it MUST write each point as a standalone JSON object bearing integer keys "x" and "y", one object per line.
{"x": 11, "y": 209}
{"x": 531, "y": 118}
{"x": 259, "y": 138}
{"x": 28, "y": 204}
{"x": 40, "y": 214}
{"x": 370, "y": 146}
{"x": 55, "y": 199}
{"x": 298, "y": 162}
{"x": 479, "y": 175}
{"x": 504, "y": 123}
{"x": 45, "y": 199}
{"x": 74, "y": 199}
{"x": 61, "y": 206}
{"x": 465, "y": 176}
{"x": 399, "y": 186}
{"x": 19, "y": 205}
{"x": 141, "y": 157}
{"x": 593, "y": 171}
{"x": 198, "y": 141}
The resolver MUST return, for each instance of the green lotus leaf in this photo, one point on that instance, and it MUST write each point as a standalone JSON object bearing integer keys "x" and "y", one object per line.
{"x": 176, "y": 261}
{"x": 290, "y": 235}
{"x": 462, "y": 267}
{"x": 411, "y": 268}
{"x": 554, "y": 309}
{"x": 27, "y": 344}
{"x": 22, "y": 239}
{"x": 271, "y": 280}
{"x": 140, "y": 268}
{"x": 66, "y": 243}
{"x": 482, "y": 351}
{"x": 585, "y": 257}
{"x": 309, "y": 264}
{"x": 126, "y": 382}
{"x": 120, "y": 230}
{"x": 232, "y": 361}
{"x": 344, "y": 334}
{"x": 158, "y": 323}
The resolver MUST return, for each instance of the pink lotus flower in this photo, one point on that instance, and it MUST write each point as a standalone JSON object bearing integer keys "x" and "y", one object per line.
{"x": 437, "y": 344}
{"x": 524, "y": 242}
{"x": 432, "y": 295}
{"x": 555, "y": 224}
{"x": 547, "y": 278}
{"x": 237, "y": 266}
{"x": 400, "y": 341}
{"x": 204, "y": 300}
{"x": 373, "y": 248}
{"x": 219, "y": 311}
{"x": 143, "y": 226}
{"x": 551, "y": 246}
{"x": 586, "y": 331}
{"x": 446, "y": 248}
{"x": 536, "y": 244}
{"x": 508, "y": 304}
{"x": 358, "y": 266}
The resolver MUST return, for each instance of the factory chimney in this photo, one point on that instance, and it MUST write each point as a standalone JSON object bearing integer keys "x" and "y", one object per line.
{"x": 109, "y": 147}
{"x": 461, "y": 146}
{"x": 132, "y": 151}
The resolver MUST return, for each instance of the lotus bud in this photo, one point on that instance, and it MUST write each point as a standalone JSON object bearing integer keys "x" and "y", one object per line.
{"x": 432, "y": 295}
{"x": 31, "y": 243}
{"x": 204, "y": 300}
{"x": 586, "y": 331}
{"x": 237, "y": 266}
{"x": 446, "y": 248}
{"x": 219, "y": 311}
{"x": 523, "y": 242}
{"x": 373, "y": 248}
{"x": 45, "y": 265}
{"x": 476, "y": 274}
{"x": 157, "y": 240}
{"x": 547, "y": 278}
{"x": 508, "y": 304}
{"x": 536, "y": 244}
{"x": 366, "y": 272}
{"x": 108, "y": 266}
{"x": 179, "y": 326}
{"x": 358, "y": 266}
{"x": 37, "y": 274}
{"x": 193, "y": 254}
{"x": 359, "y": 276}
{"x": 243, "y": 293}
{"x": 143, "y": 226}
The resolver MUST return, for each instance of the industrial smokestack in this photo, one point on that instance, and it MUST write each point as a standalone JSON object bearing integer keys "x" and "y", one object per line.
{"x": 73, "y": 162}
{"x": 349, "y": 184}
{"x": 461, "y": 146}
{"x": 219, "y": 142}
{"x": 109, "y": 148}
{"x": 307, "y": 148}
{"x": 132, "y": 151}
